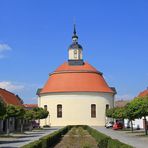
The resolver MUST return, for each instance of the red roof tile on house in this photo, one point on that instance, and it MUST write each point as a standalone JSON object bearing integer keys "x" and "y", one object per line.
{"x": 9, "y": 98}
{"x": 81, "y": 78}
{"x": 143, "y": 93}
{"x": 30, "y": 105}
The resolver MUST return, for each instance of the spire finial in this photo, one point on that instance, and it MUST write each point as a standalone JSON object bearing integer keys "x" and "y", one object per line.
{"x": 74, "y": 37}
{"x": 74, "y": 31}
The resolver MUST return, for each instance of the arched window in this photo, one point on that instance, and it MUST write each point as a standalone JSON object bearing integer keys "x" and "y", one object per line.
{"x": 107, "y": 106}
{"x": 45, "y": 107}
{"x": 59, "y": 111}
{"x": 93, "y": 110}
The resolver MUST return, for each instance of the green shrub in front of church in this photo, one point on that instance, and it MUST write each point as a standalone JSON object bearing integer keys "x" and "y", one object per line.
{"x": 35, "y": 144}
{"x": 113, "y": 143}
{"x": 48, "y": 140}
{"x": 105, "y": 141}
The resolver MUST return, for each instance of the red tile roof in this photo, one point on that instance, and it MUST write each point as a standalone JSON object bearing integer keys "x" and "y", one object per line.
{"x": 10, "y": 98}
{"x": 82, "y": 78}
{"x": 30, "y": 105}
{"x": 143, "y": 93}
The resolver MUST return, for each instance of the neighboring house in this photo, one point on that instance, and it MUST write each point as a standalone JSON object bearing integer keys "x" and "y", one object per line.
{"x": 30, "y": 106}
{"x": 9, "y": 98}
{"x": 137, "y": 123}
{"x": 121, "y": 103}
{"x": 76, "y": 93}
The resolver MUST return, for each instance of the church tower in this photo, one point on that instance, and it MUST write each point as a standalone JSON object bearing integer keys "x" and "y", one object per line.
{"x": 75, "y": 51}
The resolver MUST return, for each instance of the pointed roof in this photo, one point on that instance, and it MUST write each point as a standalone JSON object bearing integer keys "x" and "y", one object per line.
{"x": 75, "y": 44}
{"x": 143, "y": 93}
{"x": 74, "y": 32}
{"x": 10, "y": 98}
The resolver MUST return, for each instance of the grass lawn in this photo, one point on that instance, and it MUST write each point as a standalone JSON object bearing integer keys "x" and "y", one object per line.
{"x": 77, "y": 138}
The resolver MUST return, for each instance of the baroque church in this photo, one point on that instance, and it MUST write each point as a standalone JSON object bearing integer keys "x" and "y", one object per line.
{"x": 76, "y": 93}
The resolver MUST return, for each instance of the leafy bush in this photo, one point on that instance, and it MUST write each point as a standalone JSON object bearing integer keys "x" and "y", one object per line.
{"x": 105, "y": 141}
{"x": 53, "y": 138}
{"x": 35, "y": 144}
{"x": 101, "y": 139}
{"x": 48, "y": 140}
{"x": 113, "y": 143}
{"x": 46, "y": 126}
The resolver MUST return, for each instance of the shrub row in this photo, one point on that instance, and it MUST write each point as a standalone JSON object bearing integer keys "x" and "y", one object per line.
{"x": 105, "y": 141}
{"x": 53, "y": 138}
{"x": 49, "y": 140}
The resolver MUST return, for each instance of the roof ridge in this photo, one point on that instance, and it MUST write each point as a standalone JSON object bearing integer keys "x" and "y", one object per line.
{"x": 8, "y": 91}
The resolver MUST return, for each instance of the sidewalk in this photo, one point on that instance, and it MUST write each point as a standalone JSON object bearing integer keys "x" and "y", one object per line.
{"x": 19, "y": 140}
{"x": 125, "y": 136}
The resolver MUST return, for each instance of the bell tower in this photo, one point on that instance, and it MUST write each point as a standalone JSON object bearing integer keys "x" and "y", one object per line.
{"x": 75, "y": 51}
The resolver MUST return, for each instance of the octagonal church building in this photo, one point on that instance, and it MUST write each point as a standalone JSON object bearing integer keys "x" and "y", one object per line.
{"x": 75, "y": 93}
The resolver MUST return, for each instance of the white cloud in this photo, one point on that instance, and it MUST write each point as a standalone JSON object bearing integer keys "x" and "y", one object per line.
{"x": 4, "y": 48}
{"x": 11, "y": 86}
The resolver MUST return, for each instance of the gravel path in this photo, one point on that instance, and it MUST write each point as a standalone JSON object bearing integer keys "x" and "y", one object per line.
{"x": 23, "y": 139}
{"x": 134, "y": 139}
{"x": 77, "y": 138}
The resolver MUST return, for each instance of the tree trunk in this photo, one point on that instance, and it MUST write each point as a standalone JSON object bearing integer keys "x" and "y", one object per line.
{"x": 30, "y": 125}
{"x": 7, "y": 126}
{"x": 145, "y": 122}
{"x": 39, "y": 122}
{"x": 132, "y": 126}
{"x": 22, "y": 124}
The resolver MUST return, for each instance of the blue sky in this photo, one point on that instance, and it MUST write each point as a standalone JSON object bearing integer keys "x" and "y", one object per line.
{"x": 35, "y": 35}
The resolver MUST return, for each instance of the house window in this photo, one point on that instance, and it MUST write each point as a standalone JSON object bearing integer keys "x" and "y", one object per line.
{"x": 107, "y": 106}
{"x": 93, "y": 110}
{"x": 59, "y": 111}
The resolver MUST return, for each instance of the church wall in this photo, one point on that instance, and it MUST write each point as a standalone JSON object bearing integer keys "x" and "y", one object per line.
{"x": 76, "y": 108}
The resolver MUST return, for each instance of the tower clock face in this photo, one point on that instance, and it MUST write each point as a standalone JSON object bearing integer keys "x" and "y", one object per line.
{"x": 75, "y": 54}
{"x": 75, "y": 51}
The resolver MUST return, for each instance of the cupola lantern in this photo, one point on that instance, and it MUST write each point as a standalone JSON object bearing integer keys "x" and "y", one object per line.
{"x": 75, "y": 51}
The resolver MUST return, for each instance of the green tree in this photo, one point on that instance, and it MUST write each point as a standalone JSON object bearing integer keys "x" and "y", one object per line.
{"x": 109, "y": 112}
{"x": 119, "y": 113}
{"x": 30, "y": 116}
{"x": 140, "y": 107}
{"x": 2, "y": 108}
{"x": 116, "y": 112}
{"x": 40, "y": 113}
{"x": 130, "y": 113}
{"x": 20, "y": 113}
{"x": 10, "y": 112}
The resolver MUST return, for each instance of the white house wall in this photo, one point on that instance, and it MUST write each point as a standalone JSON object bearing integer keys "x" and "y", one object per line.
{"x": 76, "y": 108}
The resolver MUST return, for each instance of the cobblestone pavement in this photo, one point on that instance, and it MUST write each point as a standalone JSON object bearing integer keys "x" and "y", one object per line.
{"x": 19, "y": 140}
{"x": 136, "y": 139}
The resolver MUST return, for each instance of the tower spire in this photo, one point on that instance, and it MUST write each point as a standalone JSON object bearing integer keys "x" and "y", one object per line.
{"x": 74, "y": 37}
{"x": 74, "y": 31}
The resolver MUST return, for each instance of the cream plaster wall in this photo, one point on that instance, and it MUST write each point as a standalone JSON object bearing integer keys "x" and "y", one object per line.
{"x": 72, "y": 55}
{"x": 76, "y": 108}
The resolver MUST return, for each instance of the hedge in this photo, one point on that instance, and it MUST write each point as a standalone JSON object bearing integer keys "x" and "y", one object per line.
{"x": 105, "y": 141}
{"x": 53, "y": 138}
{"x": 48, "y": 140}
